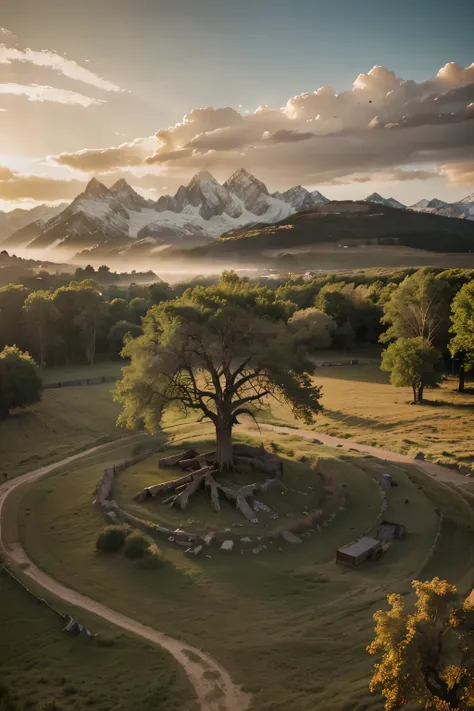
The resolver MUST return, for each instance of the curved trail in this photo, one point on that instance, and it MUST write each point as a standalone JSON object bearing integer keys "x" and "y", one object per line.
{"x": 213, "y": 685}
{"x": 436, "y": 471}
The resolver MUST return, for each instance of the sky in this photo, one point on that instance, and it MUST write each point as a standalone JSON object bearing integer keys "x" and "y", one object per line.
{"x": 346, "y": 96}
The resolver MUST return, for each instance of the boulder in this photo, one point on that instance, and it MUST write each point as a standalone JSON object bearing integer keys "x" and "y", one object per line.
{"x": 290, "y": 537}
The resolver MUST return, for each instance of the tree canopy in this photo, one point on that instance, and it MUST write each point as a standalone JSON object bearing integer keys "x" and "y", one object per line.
{"x": 462, "y": 328}
{"x": 418, "y": 308}
{"x": 20, "y": 381}
{"x": 427, "y": 655}
{"x": 412, "y": 362}
{"x": 218, "y": 350}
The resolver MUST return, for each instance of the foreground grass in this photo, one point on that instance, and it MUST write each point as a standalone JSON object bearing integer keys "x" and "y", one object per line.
{"x": 40, "y": 663}
{"x": 360, "y": 404}
{"x": 288, "y": 623}
{"x": 66, "y": 421}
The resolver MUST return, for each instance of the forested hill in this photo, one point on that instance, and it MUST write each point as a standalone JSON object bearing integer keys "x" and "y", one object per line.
{"x": 344, "y": 223}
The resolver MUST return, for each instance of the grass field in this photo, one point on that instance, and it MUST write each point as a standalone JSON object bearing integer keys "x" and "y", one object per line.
{"x": 39, "y": 663}
{"x": 289, "y": 624}
{"x": 66, "y": 421}
{"x": 360, "y": 404}
{"x": 75, "y": 372}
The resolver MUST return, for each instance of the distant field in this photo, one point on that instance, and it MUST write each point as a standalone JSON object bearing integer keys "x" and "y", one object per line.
{"x": 360, "y": 404}
{"x": 39, "y": 662}
{"x": 64, "y": 422}
{"x": 289, "y": 624}
{"x": 75, "y": 372}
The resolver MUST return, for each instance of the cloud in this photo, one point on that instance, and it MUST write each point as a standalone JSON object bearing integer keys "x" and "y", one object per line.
{"x": 398, "y": 175}
{"x": 380, "y": 123}
{"x": 14, "y": 186}
{"x": 458, "y": 174}
{"x": 169, "y": 156}
{"x": 103, "y": 160}
{"x": 6, "y": 173}
{"x": 52, "y": 60}
{"x": 38, "y": 92}
{"x": 287, "y": 136}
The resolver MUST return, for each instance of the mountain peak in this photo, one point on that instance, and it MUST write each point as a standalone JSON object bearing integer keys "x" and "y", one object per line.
{"x": 95, "y": 189}
{"x": 202, "y": 177}
{"x": 121, "y": 185}
{"x": 374, "y": 197}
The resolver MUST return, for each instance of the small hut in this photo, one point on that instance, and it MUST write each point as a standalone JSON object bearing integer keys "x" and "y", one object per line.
{"x": 358, "y": 551}
{"x": 390, "y": 531}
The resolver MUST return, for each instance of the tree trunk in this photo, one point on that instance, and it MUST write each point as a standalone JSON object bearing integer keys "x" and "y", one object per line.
{"x": 224, "y": 454}
{"x": 420, "y": 394}
{"x": 462, "y": 374}
{"x": 414, "y": 395}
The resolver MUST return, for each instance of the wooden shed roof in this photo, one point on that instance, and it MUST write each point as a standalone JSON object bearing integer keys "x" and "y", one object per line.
{"x": 359, "y": 547}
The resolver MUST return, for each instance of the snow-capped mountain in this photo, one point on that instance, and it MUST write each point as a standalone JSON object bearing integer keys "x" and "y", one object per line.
{"x": 429, "y": 204}
{"x": 463, "y": 209}
{"x": 300, "y": 198}
{"x": 120, "y": 219}
{"x": 16, "y": 219}
{"x": 389, "y": 202}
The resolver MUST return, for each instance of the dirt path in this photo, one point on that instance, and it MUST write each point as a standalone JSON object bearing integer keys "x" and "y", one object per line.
{"x": 442, "y": 474}
{"x": 214, "y": 687}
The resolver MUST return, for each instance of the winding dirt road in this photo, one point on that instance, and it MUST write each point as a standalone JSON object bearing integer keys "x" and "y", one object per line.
{"x": 213, "y": 685}
{"x": 442, "y": 474}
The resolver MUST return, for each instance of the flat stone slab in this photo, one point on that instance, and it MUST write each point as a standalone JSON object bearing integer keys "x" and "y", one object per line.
{"x": 290, "y": 537}
{"x": 227, "y": 546}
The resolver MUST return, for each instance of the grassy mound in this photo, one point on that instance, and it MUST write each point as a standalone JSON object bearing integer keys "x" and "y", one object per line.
{"x": 299, "y": 623}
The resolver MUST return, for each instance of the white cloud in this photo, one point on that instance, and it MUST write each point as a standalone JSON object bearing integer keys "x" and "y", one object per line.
{"x": 54, "y": 61}
{"x": 38, "y": 92}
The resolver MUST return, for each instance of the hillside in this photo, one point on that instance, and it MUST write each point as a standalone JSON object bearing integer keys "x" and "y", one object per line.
{"x": 344, "y": 224}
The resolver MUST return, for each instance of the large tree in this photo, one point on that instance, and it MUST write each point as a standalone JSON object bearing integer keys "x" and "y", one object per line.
{"x": 418, "y": 308}
{"x": 20, "y": 380}
{"x": 220, "y": 351}
{"x": 412, "y": 362}
{"x": 427, "y": 655}
{"x": 40, "y": 315}
{"x": 462, "y": 328}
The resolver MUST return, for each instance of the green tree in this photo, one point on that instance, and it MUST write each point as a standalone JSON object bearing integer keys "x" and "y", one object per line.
{"x": 313, "y": 328}
{"x": 211, "y": 351}
{"x": 412, "y": 362}
{"x": 119, "y": 331}
{"x": 462, "y": 328}
{"x": 41, "y": 316}
{"x": 12, "y": 299}
{"x": 418, "y": 308}
{"x": 20, "y": 381}
{"x": 82, "y": 312}
{"x": 427, "y": 656}
{"x": 119, "y": 310}
{"x": 139, "y": 307}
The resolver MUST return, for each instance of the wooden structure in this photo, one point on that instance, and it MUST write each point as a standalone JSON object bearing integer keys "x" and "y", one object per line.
{"x": 390, "y": 531}
{"x": 358, "y": 551}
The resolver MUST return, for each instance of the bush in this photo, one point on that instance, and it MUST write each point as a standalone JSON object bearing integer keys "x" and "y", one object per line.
{"x": 136, "y": 545}
{"x": 153, "y": 560}
{"x": 112, "y": 539}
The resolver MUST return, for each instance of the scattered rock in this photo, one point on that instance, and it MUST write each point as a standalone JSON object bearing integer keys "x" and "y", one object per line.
{"x": 259, "y": 549}
{"x": 290, "y": 537}
{"x": 112, "y": 514}
{"x": 246, "y": 539}
{"x": 227, "y": 546}
{"x": 260, "y": 506}
{"x": 208, "y": 538}
{"x": 196, "y": 550}
{"x": 317, "y": 441}
{"x": 420, "y": 456}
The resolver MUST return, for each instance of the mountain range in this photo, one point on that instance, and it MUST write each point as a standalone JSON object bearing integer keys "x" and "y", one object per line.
{"x": 117, "y": 221}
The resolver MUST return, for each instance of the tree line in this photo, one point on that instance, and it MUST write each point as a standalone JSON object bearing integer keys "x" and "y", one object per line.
{"x": 424, "y": 316}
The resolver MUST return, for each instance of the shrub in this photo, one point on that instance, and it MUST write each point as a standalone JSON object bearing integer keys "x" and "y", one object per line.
{"x": 50, "y": 705}
{"x": 136, "y": 545}
{"x": 153, "y": 560}
{"x": 112, "y": 539}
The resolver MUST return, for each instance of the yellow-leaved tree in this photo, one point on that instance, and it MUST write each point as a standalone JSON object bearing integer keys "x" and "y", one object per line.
{"x": 427, "y": 654}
